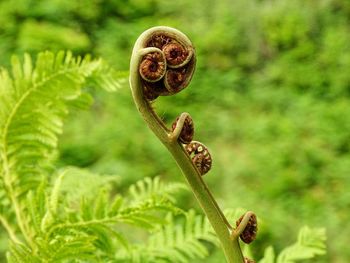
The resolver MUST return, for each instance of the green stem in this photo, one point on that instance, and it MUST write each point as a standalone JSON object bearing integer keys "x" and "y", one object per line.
{"x": 220, "y": 225}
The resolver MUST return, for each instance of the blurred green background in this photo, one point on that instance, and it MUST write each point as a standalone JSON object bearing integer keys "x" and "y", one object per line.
{"x": 270, "y": 98}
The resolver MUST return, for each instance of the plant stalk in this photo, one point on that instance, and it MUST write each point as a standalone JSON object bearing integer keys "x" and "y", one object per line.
{"x": 218, "y": 221}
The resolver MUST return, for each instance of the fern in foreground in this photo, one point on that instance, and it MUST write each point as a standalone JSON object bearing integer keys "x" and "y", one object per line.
{"x": 89, "y": 227}
{"x": 35, "y": 99}
{"x": 310, "y": 244}
{"x": 52, "y": 220}
{"x": 73, "y": 215}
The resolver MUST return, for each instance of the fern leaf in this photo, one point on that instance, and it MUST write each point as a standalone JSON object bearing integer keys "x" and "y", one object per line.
{"x": 20, "y": 253}
{"x": 310, "y": 244}
{"x": 35, "y": 100}
{"x": 153, "y": 188}
{"x": 52, "y": 203}
{"x": 269, "y": 255}
{"x": 68, "y": 245}
{"x": 36, "y": 207}
{"x": 177, "y": 242}
{"x": 115, "y": 206}
{"x": 95, "y": 221}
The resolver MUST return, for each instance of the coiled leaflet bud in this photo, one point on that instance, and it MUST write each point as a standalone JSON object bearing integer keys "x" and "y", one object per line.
{"x": 187, "y": 132}
{"x": 201, "y": 157}
{"x": 249, "y": 233}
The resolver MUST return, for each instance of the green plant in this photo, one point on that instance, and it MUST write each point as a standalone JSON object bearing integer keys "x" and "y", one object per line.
{"x": 309, "y": 244}
{"x": 278, "y": 130}
{"x": 71, "y": 215}
{"x": 162, "y": 64}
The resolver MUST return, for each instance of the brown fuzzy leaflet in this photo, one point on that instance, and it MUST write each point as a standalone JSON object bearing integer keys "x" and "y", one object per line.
{"x": 152, "y": 67}
{"x": 201, "y": 156}
{"x": 187, "y": 132}
{"x": 249, "y": 233}
{"x": 175, "y": 54}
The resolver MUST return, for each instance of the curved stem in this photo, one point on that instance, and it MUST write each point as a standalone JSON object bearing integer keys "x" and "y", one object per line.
{"x": 221, "y": 226}
{"x": 174, "y": 136}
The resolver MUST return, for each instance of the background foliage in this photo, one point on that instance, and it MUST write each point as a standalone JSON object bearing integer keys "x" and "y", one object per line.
{"x": 270, "y": 97}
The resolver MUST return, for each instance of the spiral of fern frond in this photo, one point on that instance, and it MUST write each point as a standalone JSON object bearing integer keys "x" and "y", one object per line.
{"x": 168, "y": 66}
{"x": 162, "y": 64}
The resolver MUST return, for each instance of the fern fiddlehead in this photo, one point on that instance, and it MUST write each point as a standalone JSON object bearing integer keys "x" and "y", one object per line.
{"x": 183, "y": 128}
{"x": 247, "y": 227}
{"x": 201, "y": 156}
{"x": 162, "y": 63}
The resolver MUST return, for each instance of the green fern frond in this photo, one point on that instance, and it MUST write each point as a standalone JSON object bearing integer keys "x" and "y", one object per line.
{"x": 154, "y": 188}
{"x": 64, "y": 231}
{"x": 36, "y": 207}
{"x": 34, "y": 101}
{"x": 69, "y": 245}
{"x": 93, "y": 231}
{"x": 310, "y": 243}
{"x": 19, "y": 253}
{"x": 177, "y": 242}
{"x": 79, "y": 182}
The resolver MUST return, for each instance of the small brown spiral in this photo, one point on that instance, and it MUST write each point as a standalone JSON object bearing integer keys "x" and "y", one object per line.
{"x": 152, "y": 67}
{"x": 174, "y": 80}
{"x": 187, "y": 132}
{"x": 169, "y": 70}
{"x": 201, "y": 157}
{"x": 249, "y": 233}
{"x": 175, "y": 54}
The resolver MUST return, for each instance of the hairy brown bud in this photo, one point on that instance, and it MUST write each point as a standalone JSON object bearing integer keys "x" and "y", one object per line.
{"x": 187, "y": 132}
{"x": 249, "y": 233}
{"x": 174, "y": 79}
{"x": 175, "y": 54}
{"x": 201, "y": 156}
{"x": 152, "y": 67}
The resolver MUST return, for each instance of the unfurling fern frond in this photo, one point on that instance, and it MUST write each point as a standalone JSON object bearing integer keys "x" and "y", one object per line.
{"x": 59, "y": 223}
{"x": 310, "y": 243}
